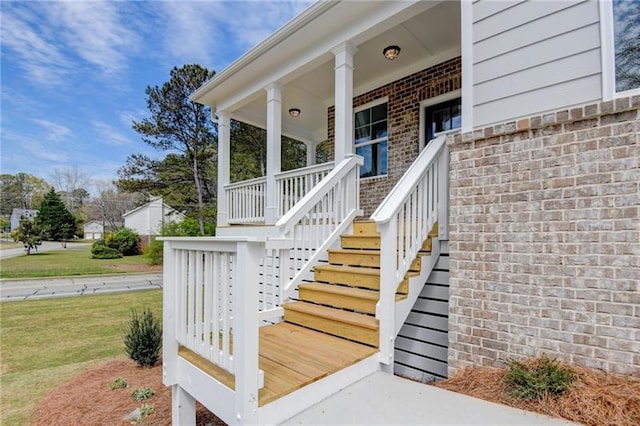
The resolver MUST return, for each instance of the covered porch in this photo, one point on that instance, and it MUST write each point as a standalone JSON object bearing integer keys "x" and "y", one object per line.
{"x": 290, "y": 268}
{"x": 300, "y": 83}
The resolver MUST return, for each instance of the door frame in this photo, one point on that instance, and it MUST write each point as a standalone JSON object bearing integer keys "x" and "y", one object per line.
{"x": 433, "y": 101}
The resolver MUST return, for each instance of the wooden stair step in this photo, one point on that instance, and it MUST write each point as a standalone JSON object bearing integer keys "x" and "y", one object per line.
{"x": 349, "y": 325}
{"x": 355, "y": 257}
{"x": 365, "y": 227}
{"x": 360, "y": 241}
{"x": 357, "y": 299}
{"x": 353, "y": 276}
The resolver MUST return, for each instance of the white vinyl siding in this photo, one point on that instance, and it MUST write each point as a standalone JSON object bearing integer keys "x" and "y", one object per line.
{"x": 534, "y": 56}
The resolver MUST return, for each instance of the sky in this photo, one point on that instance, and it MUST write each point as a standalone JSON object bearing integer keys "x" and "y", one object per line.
{"x": 74, "y": 73}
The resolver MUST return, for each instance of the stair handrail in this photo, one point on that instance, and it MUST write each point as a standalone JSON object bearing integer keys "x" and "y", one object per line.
{"x": 404, "y": 220}
{"x": 409, "y": 179}
{"x": 330, "y": 206}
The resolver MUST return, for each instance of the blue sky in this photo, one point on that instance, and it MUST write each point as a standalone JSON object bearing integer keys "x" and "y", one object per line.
{"x": 74, "y": 73}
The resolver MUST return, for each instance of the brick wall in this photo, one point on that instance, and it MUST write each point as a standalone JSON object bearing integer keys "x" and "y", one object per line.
{"x": 404, "y": 97}
{"x": 545, "y": 239}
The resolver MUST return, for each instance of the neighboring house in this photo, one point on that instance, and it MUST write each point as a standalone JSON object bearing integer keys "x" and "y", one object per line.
{"x": 93, "y": 230}
{"x": 497, "y": 162}
{"x": 148, "y": 219}
{"x": 16, "y": 214}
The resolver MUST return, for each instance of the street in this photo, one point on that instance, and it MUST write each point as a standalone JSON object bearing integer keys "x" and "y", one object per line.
{"x": 46, "y": 246}
{"x": 29, "y": 289}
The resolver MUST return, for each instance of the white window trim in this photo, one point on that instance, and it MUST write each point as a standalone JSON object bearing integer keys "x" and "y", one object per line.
{"x": 370, "y": 105}
{"x": 607, "y": 41}
{"x": 433, "y": 101}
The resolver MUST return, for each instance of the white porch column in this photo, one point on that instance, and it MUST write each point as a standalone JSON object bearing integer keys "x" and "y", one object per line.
{"x": 274, "y": 140}
{"x": 344, "y": 100}
{"x": 311, "y": 152}
{"x": 224, "y": 161}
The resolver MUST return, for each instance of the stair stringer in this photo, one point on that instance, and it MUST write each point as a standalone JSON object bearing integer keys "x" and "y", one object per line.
{"x": 416, "y": 283}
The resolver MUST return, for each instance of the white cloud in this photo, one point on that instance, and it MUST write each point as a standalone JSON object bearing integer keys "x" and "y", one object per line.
{"x": 212, "y": 32}
{"x": 53, "y": 132}
{"x": 110, "y": 135}
{"x": 96, "y": 32}
{"x": 41, "y": 59}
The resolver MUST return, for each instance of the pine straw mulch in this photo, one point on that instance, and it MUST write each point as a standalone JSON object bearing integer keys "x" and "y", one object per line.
{"x": 595, "y": 398}
{"x": 87, "y": 399}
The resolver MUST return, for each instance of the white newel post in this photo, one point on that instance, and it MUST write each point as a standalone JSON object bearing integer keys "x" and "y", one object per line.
{"x": 245, "y": 325}
{"x": 274, "y": 140}
{"x": 343, "y": 100}
{"x": 385, "y": 311}
{"x": 169, "y": 321}
{"x": 224, "y": 161}
{"x": 443, "y": 194}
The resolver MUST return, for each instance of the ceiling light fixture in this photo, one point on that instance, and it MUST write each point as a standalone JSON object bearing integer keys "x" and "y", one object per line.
{"x": 391, "y": 52}
{"x": 294, "y": 112}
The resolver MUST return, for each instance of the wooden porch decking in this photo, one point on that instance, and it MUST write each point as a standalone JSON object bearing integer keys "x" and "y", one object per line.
{"x": 291, "y": 357}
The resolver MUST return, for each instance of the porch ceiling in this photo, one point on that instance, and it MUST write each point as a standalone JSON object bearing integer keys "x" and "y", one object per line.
{"x": 427, "y": 36}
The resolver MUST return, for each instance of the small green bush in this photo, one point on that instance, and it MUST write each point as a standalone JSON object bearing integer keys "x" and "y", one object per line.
{"x": 100, "y": 251}
{"x": 118, "y": 383}
{"x": 126, "y": 242}
{"x": 140, "y": 394}
{"x": 143, "y": 338}
{"x": 532, "y": 380}
{"x": 155, "y": 252}
{"x": 145, "y": 411}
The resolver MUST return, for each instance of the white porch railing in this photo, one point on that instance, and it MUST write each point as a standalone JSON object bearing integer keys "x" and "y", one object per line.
{"x": 404, "y": 219}
{"x": 217, "y": 290}
{"x": 294, "y": 184}
{"x": 307, "y": 230}
{"x": 246, "y": 199}
{"x": 210, "y": 302}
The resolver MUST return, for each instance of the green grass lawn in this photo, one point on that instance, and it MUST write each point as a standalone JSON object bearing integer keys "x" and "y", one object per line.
{"x": 64, "y": 262}
{"x": 47, "y": 342}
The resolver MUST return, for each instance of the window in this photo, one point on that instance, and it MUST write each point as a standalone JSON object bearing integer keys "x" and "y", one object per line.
{"x": 441, "y": 118}
{"x": 620, "y": 35}
{"x": 371, "y": 139}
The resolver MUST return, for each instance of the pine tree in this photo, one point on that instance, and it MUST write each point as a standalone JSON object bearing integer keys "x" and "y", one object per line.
{"x": 57, "y": 223}
{"x": 28, "y": 233}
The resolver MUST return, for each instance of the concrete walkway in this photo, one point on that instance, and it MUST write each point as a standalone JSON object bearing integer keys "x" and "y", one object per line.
{"x": 391, "y": 400}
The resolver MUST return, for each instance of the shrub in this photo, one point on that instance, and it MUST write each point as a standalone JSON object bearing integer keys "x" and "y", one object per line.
{"x": 101, "y": 251}
{"x": 155, "y": 252}
{"x": 532, "y": 380}
{"x": 145, "y": 411}
{"x": 143, "y": 338}
{"x": 140, "y": 394}
{"x": 118, "y": 383}
{"x": 126, "y": 242}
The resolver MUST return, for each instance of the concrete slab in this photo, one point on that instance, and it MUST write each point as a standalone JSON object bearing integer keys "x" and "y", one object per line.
{"x": 382, "y": 398}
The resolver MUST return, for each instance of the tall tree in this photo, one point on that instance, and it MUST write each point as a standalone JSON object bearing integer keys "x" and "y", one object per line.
{"x": 178, "y": 124}
{"x": 55, "y": 220}
{"x": 21, "y": 191}
{"x": 71, "y": 184}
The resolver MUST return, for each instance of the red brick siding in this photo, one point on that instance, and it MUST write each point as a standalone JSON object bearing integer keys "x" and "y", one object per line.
{"x": 404, "y": 97}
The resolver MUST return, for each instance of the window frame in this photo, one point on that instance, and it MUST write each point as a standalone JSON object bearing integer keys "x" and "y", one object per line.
{"x": 608, "y": 57}
{"x": 370, "y": 105}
